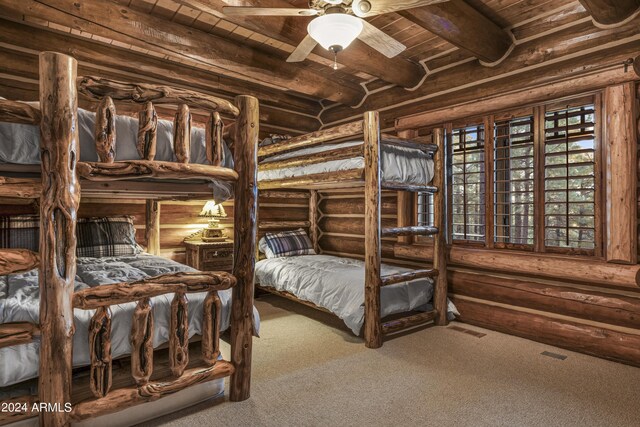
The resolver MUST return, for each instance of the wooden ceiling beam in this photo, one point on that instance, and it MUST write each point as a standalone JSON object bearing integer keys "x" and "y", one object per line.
{"x": 25, "y": 65}
{"x": 463, "y": 26}
{"x": 159, "y": 35}
{"x": 117, "y": 58}
{"x": 611, "y": 12}
{"x": 358, "y": 56}
{"x": 572, "y": 51}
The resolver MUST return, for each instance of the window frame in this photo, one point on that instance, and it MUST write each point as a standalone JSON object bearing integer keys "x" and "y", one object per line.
{"x": 538, "y": 112}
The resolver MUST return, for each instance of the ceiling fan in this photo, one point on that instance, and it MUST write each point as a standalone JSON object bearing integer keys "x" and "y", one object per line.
{"x": 338, "y": 23}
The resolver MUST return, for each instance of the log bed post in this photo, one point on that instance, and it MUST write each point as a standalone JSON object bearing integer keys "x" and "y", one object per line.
{"x": 313, "y": 219}
{"x": 58, "y": 212}
{"x": 245, "y": 233}
{"x": 372, "y": 325}
{"x": 439, "y": 215}
{"x": 152, "y": 226}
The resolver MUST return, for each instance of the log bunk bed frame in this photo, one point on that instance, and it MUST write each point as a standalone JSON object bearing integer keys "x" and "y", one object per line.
{"x": 58, "y": 192}
{"x": 375, "y": 328}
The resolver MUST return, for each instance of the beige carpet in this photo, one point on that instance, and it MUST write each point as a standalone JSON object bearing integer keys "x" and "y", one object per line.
{"x": 309, "y": 371}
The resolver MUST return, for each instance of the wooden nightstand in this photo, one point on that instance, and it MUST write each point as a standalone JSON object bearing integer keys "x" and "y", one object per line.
{"x": 210, "y": 256}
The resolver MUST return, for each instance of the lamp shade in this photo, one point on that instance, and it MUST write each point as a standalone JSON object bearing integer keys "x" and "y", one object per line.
{"x": 213, "y": 210}
{"x": 335, "y": 31}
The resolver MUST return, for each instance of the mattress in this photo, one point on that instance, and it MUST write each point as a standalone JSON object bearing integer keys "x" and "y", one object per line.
{"x": 337, "y": 284}
{"x": 19, "y": 302}
{"x": 20, "y": 144}
{"x": 398, "y": 164}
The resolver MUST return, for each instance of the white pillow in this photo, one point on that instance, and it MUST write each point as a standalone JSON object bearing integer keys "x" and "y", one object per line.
{"x": 265, "y": 249}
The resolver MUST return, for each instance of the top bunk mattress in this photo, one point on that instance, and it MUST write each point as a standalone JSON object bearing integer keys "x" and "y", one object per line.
{"x": 404, "y": 165}
{"x": 20, "y": 144}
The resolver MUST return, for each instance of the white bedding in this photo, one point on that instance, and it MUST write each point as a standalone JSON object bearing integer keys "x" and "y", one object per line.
{"x": 337, "y": 284}
{"x": 19, "y": 302}
{"x": 20, "y": 144}
{"x": 399, "y": 164}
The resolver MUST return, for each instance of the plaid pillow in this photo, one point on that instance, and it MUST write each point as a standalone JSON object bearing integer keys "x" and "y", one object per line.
{"x": 20, "y": 232}
{"x": 97, "y": 237}
{"x": 290, "y": 243}
{"x": 108, "y": 236}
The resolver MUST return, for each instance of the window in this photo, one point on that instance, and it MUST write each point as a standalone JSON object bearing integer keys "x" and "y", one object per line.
{"x": 569, "y": 171}
{"x": 468, "y": 192}
{"x": 424, "y": 214}
{"x": 513, "y": 182}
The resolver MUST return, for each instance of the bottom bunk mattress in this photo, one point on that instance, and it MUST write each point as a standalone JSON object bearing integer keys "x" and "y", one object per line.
{"x": 337, "y": 284}
{"x": 20, "y": 302}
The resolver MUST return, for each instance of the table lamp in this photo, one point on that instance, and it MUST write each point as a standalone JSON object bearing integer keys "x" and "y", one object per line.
{"x": 213, "y": 232}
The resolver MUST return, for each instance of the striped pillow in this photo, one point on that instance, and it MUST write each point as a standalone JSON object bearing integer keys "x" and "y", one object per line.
{"x": 96, "y": 237}
{"x": 20, "y": 232}
{"x": 290, "y": 243}
{"x": 107, "y": 236}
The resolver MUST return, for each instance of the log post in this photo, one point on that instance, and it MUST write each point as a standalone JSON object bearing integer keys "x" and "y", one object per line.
{"x": 439, "y": 218}
{"x": 313, "y": 219}
{"x": 100, "y": 351}
{"x": 59, "y": 202}
{"x": 213, "y": 139}
{"x": 142, "y": 342}
{"x": 152, "y": 226}
{"x": 245, "y": 233}
{"x": 105, "y": 130}
{"x": 372, "y": 175}
{"x": 182, "y": 134}
{"x": 211, "y": 328}
{"x": 179, "y": 335}
{"x": 147, "y": 132}
{"x": 620, "y": 152}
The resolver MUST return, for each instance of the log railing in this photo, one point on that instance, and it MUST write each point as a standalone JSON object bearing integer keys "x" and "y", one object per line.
{"x": 101, "y": 298}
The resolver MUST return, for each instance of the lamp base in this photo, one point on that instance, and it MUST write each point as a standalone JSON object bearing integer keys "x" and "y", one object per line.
{"x": 213, "y": 235}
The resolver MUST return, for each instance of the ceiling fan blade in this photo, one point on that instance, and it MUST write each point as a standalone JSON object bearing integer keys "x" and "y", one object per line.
{"x": 302, "y": 50}
{"x": 380, "y": 41}
{"x": 366, "y": 8}
{"x": 267, "y": 11}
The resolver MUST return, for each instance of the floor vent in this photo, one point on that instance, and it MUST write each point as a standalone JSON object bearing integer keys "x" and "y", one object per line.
{"x": 554, "y": 355}
{"x": 467, "y": 331}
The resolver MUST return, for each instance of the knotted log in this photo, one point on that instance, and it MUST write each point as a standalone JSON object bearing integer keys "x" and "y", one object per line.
{"x": 100, "y": 351}
{"x": 17, "y": 261}
{"x": 105, "y": 130}
{"x": 179, "y": 335}
{"x": 182, "y": 134}
{"x": 213, "y": 139}
{"x": 19, "y": 112}
{"x": 147, "y": 132}
{"x": 142, "y": 342}
{"x": 139, "y": 169}
{"x": 211, "y": 328}
{"x": 58, "y": 212}
{"x": 22, "y": 188}
{"x": 17, "y": 333}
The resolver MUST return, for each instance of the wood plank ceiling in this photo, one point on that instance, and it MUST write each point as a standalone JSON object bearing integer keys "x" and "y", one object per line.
{"x": 456, "y": 50}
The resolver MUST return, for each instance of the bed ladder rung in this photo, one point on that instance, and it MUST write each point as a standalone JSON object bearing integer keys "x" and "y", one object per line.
{"x": 409, "y": 231}
{"x": 400, "y": 186}
{"x": 397, "y": 325}
{"x": 407, "y": 276}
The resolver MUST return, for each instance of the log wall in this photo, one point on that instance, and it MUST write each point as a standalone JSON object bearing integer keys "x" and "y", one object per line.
{"x": 177, "y": 219}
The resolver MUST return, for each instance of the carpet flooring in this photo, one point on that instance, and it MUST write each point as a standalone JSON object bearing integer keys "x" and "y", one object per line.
{"x": 308, "y": 370}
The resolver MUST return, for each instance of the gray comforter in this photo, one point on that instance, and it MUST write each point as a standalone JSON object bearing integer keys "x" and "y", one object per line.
{"x": 20, "y": 302}
{"x": 337, "y": 284}
{"x": 20, "y": 144}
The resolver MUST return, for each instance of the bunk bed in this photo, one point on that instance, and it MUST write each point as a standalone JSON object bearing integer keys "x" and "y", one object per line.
{"x": 56, "y": 185}
{"x": 337, "y": 158}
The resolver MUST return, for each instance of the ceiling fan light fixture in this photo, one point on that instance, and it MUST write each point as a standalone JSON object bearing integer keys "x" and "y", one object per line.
{"x": 335, "y": 31}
